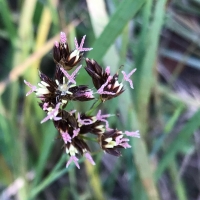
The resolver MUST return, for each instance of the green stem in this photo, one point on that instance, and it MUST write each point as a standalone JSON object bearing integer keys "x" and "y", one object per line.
{"x": 95, "y": 105}
{"x": 89, "y": 138}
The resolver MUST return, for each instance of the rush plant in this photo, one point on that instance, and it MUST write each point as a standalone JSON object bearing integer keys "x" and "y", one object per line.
{"x": 73, "y": 126}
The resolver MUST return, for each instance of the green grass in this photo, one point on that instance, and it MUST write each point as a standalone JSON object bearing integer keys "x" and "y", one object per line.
{"x": 133, "y": 33}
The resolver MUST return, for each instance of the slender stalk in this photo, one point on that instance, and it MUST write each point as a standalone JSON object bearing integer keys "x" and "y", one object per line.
{"x": 94, "y": 106}
{"x": 88, "y": 138}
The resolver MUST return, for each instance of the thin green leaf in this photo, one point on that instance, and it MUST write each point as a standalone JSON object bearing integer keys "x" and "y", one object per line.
{"x": 7, "y": 20}
{"x": 182, "y": 138}
{"x": 47, "y": 144}
{"x": 125, "y": 11}
{"x": 146, "y": 75}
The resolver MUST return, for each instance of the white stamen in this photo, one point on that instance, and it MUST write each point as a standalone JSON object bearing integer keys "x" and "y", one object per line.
{"x": 44, "y": 83}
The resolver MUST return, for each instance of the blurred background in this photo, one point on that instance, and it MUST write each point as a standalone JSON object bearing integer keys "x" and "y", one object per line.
{"x": 160, "y": 39}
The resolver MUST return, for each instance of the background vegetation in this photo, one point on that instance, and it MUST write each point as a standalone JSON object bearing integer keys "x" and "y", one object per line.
{"x": 160, "y": 39}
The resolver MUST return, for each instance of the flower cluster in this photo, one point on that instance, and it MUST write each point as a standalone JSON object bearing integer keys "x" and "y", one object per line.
{"x": 74, "y": 127}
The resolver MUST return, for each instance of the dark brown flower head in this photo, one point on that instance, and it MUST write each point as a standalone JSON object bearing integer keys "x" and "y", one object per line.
{"x": 70, "y": 122}
{"x": 90, "y": 124}
{"x": 107, "y": 86}
{"x": 61, "y": 89}
{"x": 80, "y": 93}
{"x": 96, "y": 72}
{"x": 96, "y": 128}
{"x": 111, "y": 141}
{"x": 79, "y": 145}
{"x": 67, "y": 123}
{"x": 71, "y": 136}
{"x": 66, "y": 58}
{"x": 76, "y": 128}
{"x": 71, "y": 128}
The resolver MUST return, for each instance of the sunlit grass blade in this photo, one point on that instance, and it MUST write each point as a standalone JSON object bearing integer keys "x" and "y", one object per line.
{"x": 124, "y": 12}
{"x": 95, "y": 182}
{"x": 44, "y": 25}
{"x": 100, "y": 18}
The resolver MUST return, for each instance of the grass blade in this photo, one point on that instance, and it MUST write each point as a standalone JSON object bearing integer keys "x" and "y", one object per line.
{"x": 183, "y": 137}
{"x": 125, "y": 11}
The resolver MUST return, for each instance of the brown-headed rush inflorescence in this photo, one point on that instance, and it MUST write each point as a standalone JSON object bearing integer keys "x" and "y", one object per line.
{"x": 75, "y": 127}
